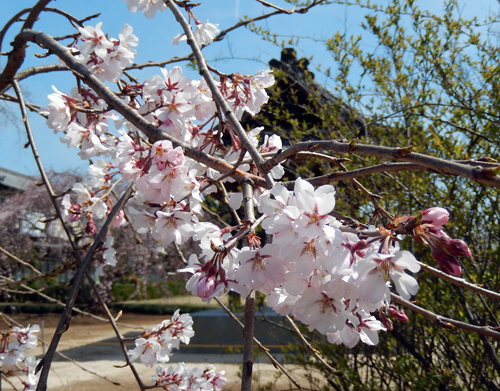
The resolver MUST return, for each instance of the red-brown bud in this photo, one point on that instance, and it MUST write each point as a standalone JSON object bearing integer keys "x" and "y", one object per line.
{"x": 447, "y": 263}
{"x": 386, "y": 321}
{"x": 398, "y": 314}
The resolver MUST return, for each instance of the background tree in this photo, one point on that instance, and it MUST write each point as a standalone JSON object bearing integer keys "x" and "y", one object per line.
{"x": 430, "y": 82}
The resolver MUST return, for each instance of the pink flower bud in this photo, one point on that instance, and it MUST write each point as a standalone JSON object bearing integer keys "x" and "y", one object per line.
{"x": 435, "y": 216}
{"x": 447, "y": 263}
{"x": 398, "y": 314}
{"x": 206, "y": 287}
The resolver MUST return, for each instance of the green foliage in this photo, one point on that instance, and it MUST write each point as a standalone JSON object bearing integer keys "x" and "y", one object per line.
{"x": 122, "y": 290}
{"x": 125, "y": 289}
{"x": 430, "y": 81}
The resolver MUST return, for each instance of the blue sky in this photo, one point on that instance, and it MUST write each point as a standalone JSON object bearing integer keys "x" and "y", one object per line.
{"x": 250, "y": 54}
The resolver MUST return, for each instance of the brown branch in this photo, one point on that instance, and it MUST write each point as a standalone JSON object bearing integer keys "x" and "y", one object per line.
{"x": 119, "y": 336}
{"x": 249, "y": 314}
{"x": 215, "y": 216}
{"x": 369, "y": 195}
{"x": 72, "y": 19}
{"x": 481, "y": 175}
{"x": 220, "y": 36}
{"x": 75, "y": 309}
{"x": 159, "y": 63}
{"x": 445, "y": 322}
{"x": 54, "y": 273}
{"x": 243, "y": 232}
{"x": 77, "y": 281}
{"x": 322, "y": 156}
{"x": 73, "y": 361}
{"x": 216, "y": 94}
{"x": 358, "y": 173}
{"x": 248, "y": 337}
{"x": 31, "y": 106}
{"x": 16, "y": 57}
{"x": 228, "y": 173}
{"x": 226, "y": 200}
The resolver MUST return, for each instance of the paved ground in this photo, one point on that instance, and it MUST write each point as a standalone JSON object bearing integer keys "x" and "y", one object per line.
{"x": 90, "y": 342}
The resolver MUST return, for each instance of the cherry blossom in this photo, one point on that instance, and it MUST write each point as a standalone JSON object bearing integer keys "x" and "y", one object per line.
{"x": 378, "y": 269}
{"x": 204, "y": 34}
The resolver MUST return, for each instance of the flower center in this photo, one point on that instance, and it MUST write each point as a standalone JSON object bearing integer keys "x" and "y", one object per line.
{"x": 386, "y": 266}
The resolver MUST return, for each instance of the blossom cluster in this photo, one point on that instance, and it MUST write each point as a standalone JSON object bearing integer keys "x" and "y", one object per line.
{"x": 182, "y": 378}
{"x": 104, "y": 57}
{"x": 160, "y": 341}
{"x": 328, "y": 279}
{"x": 176, "y": 105}
{"x": 156, "y": 347}
{"x": 14, "y": 348}
{"x": 331, "y": 277}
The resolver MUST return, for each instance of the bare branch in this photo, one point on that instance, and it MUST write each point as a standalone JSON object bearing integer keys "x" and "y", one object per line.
{"x": 278, "y": 11}
{"x": 20, "y": 261}
{"x": 460, "y": 282}
{"x": 16, "y": 57}
{"x": 447, "y": 322}
{"x": 483, "y": 175}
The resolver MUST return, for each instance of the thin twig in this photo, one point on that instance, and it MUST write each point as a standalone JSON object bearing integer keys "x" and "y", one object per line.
{"x": 8, "y": 381}
{"x": 283, "y": 10}
{"x": 226, "y": 200}
{"x": 447, "y": 322}
{"x": 215, "y": 216}
{"x": 460, "y": 281}
{"x": 180, "y": 254}
{"x": 243, "y": 232}
{"x": 370, "y": 195}
{"x": 31, "y": 106}
{"x": 72, "y": 360}
{"x": 20, "y": 261}
{"x": 75, "y": 309}
{"x": 119, "y": 336}
{"x": 229, "y": 173}
{"x": 310, "y": 347}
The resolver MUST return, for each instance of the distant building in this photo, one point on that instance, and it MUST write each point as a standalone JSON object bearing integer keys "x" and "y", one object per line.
{"x": 12, "y": 182}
